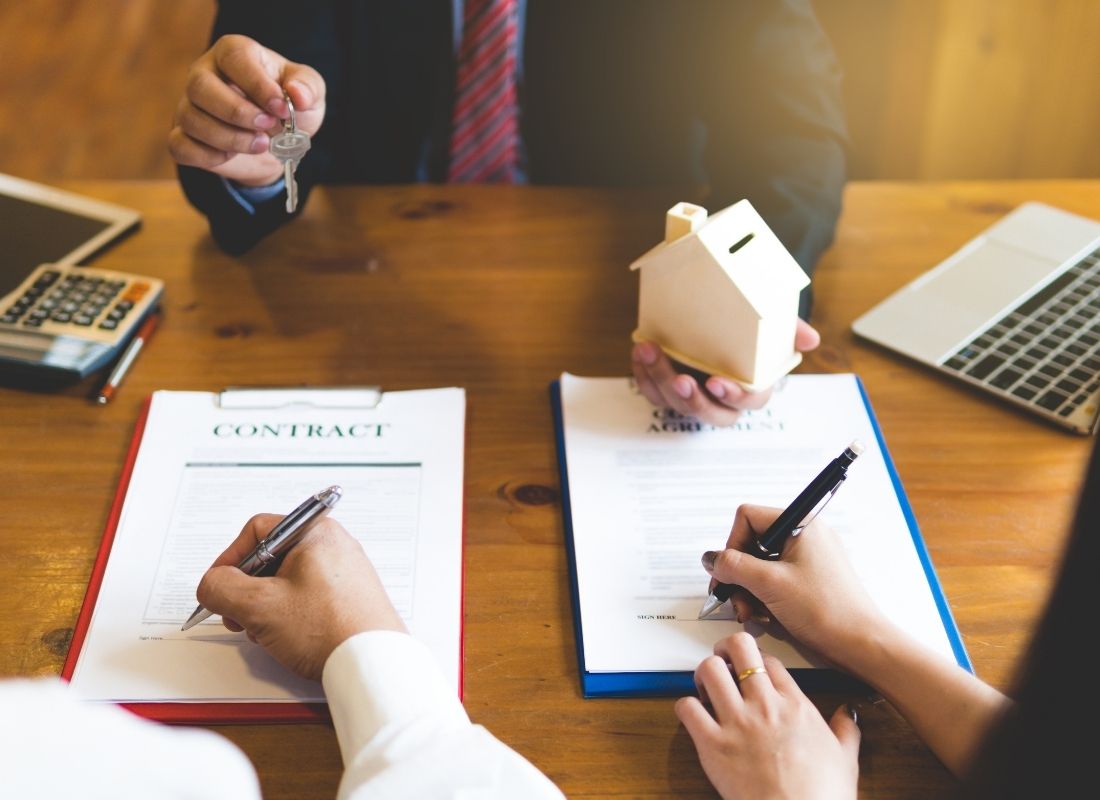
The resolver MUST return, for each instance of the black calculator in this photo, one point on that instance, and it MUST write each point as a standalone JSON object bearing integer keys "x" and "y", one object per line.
{"x": 64, "y": 322}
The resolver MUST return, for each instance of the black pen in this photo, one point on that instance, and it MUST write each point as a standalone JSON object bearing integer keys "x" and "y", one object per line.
{"x": 794, "y": 518}
{"x": 269, "y": 552}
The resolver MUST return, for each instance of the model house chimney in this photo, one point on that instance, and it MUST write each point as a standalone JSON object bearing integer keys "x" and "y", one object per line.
{"x": 682, "y": 219}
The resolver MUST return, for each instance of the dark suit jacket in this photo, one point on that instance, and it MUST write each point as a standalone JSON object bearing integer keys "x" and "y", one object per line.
{"x": 740, "y": 97}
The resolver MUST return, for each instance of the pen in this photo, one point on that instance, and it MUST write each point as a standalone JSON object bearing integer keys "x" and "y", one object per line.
{"x": 129, "y": 354}
{"x": 268, "y": 554}
{"x": 795, "y": 517}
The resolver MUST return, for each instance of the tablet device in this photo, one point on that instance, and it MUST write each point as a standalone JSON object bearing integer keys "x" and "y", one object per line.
{"x": 40, "y": 224}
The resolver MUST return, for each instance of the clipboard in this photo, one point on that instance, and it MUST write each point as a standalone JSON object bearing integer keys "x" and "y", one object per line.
{"x": 238, "y": 398}
{"x": 281, "y": 396}
{"x": 677, "y": 683}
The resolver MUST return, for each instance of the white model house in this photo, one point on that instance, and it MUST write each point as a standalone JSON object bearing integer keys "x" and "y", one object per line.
{"x": 720, "y": 294}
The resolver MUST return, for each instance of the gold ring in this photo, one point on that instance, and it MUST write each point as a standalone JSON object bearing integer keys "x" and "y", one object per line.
{"x": 748, "y": 673}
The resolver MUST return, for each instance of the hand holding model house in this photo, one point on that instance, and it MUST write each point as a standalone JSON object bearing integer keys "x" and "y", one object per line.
{"x": 718, "y": 295}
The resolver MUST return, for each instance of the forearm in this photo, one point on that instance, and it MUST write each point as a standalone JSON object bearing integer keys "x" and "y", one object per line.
{"x": 949, "y": 708}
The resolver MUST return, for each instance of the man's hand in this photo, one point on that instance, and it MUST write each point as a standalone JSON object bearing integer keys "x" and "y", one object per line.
{"x": 232, "y": 105}
{"x": 719, "y": 401}
{"x": 325, "y": 591}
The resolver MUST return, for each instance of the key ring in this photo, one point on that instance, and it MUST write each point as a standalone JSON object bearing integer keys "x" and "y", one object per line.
{"x": 291, "y": 120}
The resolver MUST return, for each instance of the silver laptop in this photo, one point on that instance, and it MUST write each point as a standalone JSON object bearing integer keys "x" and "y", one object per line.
{"x": 1015, "y": 312}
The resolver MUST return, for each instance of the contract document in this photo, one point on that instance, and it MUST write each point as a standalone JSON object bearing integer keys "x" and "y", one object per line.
{"x": 648, "y": 491}
{"x": 201, "y": 465}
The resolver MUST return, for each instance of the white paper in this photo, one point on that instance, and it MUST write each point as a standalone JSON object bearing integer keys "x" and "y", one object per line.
{"x": 202, "y": 471}
{"x": 650, "y": 491}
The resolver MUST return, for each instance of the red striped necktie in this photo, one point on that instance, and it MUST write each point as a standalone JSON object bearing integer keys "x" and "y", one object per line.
{"x": 485, "y": 124}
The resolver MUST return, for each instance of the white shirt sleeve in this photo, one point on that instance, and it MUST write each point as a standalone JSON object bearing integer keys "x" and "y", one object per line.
{"x": 55, "y": 745}
{"x": 404, "y": 733}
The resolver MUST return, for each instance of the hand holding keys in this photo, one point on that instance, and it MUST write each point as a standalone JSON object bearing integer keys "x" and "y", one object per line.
{"x": 289, "y": 147}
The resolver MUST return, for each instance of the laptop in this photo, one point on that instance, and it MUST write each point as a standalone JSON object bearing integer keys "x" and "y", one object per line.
{"x": 1015, "y": 312}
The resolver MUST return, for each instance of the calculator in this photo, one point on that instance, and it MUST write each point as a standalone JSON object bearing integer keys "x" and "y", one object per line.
{"x": 64, "y": 322}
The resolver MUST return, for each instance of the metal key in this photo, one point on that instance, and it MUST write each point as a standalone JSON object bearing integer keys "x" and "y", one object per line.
{"x": 289, "y": 146}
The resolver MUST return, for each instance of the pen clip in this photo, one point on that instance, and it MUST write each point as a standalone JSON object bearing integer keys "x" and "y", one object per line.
{"x": 816, "y": 509}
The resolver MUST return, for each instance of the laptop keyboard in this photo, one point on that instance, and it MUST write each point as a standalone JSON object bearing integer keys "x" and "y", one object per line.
{"x": 1046, "y": 352}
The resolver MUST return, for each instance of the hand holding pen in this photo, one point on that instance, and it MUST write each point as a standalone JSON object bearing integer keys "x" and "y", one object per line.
{"x": 270, "y": 551}
{"x": 800, "y": 513}
{"x": 325, "y": 592}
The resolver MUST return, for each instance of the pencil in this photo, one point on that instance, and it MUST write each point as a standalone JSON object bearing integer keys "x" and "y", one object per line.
{"x": 107, "y": 392}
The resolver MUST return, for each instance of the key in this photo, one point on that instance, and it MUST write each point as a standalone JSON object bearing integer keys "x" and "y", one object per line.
{"x": 289, "y": 146}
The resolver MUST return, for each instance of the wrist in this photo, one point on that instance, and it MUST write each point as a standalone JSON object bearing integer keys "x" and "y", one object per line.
{"x": 872, "y": 651}
{"x": 258, "y": 181}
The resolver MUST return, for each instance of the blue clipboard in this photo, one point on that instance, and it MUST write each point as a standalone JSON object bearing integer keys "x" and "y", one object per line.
{"x": 678, "y": 684}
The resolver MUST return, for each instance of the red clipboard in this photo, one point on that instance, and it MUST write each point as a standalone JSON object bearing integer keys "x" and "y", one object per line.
{"x": 211, "y": 713}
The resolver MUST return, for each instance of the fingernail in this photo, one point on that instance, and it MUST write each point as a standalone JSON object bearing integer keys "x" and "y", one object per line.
{"x": 761, "y": 619}
{"x": 853, "y": 714}
{"x": 708, "y": 559}
{"x": 275, "y": 106}
{"x": 683, "y": 388}
{"x": 263, "y": 121}
{"x": 716, "y": 388}
{"x": 259, "y": 143}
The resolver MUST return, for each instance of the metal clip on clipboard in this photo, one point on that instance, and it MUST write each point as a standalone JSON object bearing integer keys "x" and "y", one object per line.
{"x": 233, "y": 397}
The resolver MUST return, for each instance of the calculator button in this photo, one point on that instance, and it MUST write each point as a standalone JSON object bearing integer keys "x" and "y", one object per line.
{"x": 1051, "y": 400}
{"x": 136, "y": 292}
{"x": 108, "y": 324}
{"x": 33, "y": 323}
{"x": 82, "y": 319}
{"x": 61, "y": 316}
{"x": 8, "y": 318}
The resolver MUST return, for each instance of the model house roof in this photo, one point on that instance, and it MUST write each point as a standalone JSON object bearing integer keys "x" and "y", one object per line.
{"x": 737, "y": 241}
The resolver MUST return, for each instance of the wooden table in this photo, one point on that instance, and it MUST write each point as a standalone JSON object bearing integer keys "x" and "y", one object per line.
{"x": 500, "y": 289}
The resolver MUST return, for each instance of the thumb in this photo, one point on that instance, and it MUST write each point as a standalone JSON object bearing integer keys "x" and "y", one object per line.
{"x": 806, "y": 337}
{"x": 228, "y": 591}
{"x": 847, "y": 731}
{"x": 305, "y": 86}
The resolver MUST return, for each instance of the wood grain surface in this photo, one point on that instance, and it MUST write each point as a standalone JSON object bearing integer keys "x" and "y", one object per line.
{"x": 500, "y": 289}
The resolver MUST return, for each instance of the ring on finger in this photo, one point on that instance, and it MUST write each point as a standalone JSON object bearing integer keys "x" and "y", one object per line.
{"x": 748, "y": 673}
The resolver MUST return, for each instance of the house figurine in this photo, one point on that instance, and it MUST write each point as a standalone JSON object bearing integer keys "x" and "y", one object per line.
{"x": 720, "y": 294}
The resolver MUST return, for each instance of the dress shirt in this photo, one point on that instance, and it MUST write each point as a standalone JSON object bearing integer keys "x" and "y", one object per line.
{"x": 402, "y": 733}
{"x": 55, "y": 746}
